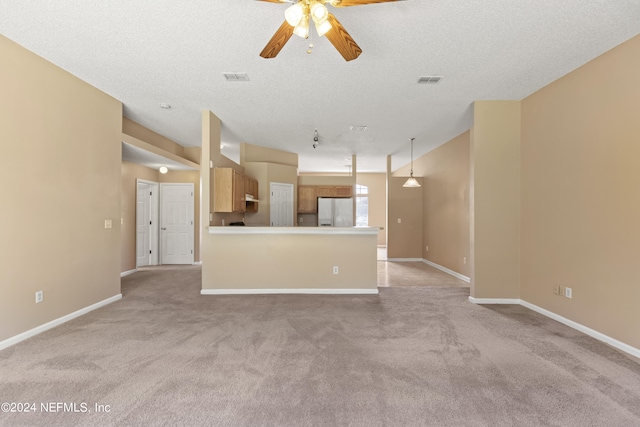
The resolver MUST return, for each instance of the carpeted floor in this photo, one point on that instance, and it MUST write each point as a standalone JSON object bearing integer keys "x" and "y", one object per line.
{"x": 166, "y": 355}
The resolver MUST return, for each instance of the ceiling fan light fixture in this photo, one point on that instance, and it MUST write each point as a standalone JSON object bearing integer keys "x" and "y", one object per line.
{"x": 319, "y": 11}
{"x": 322, "y": 27}
{"x": 294, "y": 14}
{"x": 302, "y": 29}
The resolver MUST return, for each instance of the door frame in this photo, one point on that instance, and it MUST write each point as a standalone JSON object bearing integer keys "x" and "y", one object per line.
{"x": 154, "y": 206}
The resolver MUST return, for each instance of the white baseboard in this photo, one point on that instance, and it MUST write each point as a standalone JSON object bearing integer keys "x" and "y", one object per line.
{"x": 49, "y": 325}
{"x": 404, "y": 259}
{"x": 446, "y": 270}
{"x": 315, "y": 291}
{"x": 575, "y": 325}
{"x": 495, "y": 300}
{"x": 126, "y": 273}
{"x": 584, "y": 329}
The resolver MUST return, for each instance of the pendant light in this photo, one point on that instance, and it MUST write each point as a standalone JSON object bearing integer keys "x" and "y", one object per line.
{"x": 411, "y": 182}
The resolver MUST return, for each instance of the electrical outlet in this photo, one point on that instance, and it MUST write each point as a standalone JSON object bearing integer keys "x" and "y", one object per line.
{"x": 39, "y": 297}
{"x": 107, "y": 223}
{"x": 335, "y": 270}
{"x": 399, "y": 220}
{"x": 300, "y": 220}
{"x": 464, "y": 259}
{"x": 427, "y": 248}
{"x": 568, "y": 292}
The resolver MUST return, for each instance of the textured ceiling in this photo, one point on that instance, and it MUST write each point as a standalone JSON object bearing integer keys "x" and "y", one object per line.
{"x": 146, "y": 52}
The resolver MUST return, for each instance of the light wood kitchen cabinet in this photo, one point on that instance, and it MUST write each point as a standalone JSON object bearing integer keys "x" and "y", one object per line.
{"x": 228, "y": 190}
{"x": 307, "y": 199}
{"x": 308, "y": 195}
{"x": 344, "y": 191}
{"x": 326, "y": 191}
{"x": 251, "y": 186}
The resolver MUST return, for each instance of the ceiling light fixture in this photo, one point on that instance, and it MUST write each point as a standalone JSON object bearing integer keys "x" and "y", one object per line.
{"x": 411, "y": 182}
{"x": 163, "y": 169}
{"x": 301, "y": 12}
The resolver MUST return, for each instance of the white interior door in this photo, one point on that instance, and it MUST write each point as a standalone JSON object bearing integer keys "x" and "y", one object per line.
{"x": 281, "y": 202}
{"x": 143, "y": 224}
{"x": 176, "y": 223}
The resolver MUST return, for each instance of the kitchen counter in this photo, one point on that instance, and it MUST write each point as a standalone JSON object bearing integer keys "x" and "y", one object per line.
{"x": 306, "y": 260}
{"x": 294, "y": 230}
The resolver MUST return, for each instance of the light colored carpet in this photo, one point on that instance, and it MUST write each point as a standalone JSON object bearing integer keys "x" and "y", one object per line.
{"x": 166, "y": 355}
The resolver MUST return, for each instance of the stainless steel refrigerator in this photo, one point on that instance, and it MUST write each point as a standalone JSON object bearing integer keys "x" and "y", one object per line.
{"x": 335, "y": 212}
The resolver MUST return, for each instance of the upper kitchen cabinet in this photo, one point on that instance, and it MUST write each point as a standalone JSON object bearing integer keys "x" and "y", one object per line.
{"x": 326, "y": 191}
{"x": 308, "y": 195}
{"x": 251, "y": 186}
{"x": 307, "y": 199}
{"x": 228, "y": 190}
{"x": 344, "y": 191}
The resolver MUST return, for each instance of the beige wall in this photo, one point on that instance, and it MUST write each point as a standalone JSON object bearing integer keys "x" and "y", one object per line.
{"x": 404, "y": 239}
{"x": 131, "y": 172}
{"x": 255, "y": 153}
{"x": 266, "y": 173}
{"x": 581, "y": 194}
{"x": 61, "y": 172}
{"x": 291, "y": 261}
{"x": 377, "y": 188}
{"x": 129, "y": 127}
{"x": 495, "y": 200}
{"x": 445, "y": 220}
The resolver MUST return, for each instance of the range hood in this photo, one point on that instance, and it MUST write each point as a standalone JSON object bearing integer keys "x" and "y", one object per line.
{"x": 249, "y": 198}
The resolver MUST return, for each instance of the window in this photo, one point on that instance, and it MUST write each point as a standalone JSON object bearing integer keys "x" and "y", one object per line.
{"x": 362, "y": 205}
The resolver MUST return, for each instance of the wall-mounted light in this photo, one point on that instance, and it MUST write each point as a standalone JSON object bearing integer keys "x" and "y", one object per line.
{"x": 163, "y": 169}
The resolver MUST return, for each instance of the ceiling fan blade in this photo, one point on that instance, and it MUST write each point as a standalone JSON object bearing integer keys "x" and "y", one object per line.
{"x": 341, "y": 40}
{"x": 277, "y": 42}
{"x": 345, "y": 3}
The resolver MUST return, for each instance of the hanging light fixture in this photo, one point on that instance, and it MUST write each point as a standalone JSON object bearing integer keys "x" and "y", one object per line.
{"x": 411, "y": 182}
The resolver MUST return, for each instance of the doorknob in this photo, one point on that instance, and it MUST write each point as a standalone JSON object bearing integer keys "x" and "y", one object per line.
{"x": 162, "y": 228}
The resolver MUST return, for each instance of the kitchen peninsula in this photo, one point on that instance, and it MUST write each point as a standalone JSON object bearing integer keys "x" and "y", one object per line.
{"x": 310, "y": 260}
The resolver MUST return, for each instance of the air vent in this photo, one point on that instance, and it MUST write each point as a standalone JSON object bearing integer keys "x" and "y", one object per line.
{"x": 236, "y": 77}
{"x": 429, "y": 79}
{"x": 358, "y": 128}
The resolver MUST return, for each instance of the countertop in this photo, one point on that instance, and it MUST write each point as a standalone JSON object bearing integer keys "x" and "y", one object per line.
{"x": 294, "y": 230}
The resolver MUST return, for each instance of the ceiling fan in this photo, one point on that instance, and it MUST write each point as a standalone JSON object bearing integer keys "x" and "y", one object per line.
{"x": 297, "y": 18}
